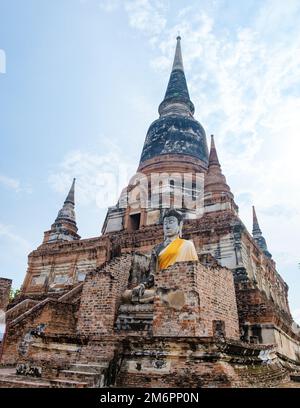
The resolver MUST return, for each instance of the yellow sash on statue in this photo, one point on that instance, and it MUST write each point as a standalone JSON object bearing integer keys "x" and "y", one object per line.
{"x": 179, "y": 250}
{"x": 169, "y": 254}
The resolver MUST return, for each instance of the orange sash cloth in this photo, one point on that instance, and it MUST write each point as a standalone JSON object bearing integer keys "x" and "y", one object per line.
{"x": 179, "y": 250}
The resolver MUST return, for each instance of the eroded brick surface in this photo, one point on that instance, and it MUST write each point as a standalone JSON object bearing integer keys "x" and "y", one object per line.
{"x": 5, "y": 286}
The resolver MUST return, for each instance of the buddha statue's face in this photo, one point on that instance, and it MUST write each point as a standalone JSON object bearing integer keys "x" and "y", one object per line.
{"x": 171, "y": 226}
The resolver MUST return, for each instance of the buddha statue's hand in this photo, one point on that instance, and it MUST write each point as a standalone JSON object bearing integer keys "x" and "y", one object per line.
{"x": 138, "y": 292}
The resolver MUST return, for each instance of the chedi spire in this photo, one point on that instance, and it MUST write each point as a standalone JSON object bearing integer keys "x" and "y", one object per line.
{"x": 215, "y": 181}
{"x": 64, "y": 227}
{"x": 178, "y": 62}
{"x": 213, "y": 156}
{"x": 71, "y": 196}
{"x": 175, "y": 132}
{"x": 257, "y": 235}
{"x": 217, "y": 193}
{"x": 177, "y": 98}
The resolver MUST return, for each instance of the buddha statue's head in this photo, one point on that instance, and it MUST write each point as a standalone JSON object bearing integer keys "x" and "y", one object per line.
{"x": 172, "y": 223}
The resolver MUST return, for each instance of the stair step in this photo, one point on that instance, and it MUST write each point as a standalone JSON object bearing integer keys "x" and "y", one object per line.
{"x": 85, "y": 373}
{"x": 61, "y": 383}
{"x": 91, "y": 378}
{"x": 17, "y": 381}
{"x": 23, "y": 382}
{"x": 91, "y": 368}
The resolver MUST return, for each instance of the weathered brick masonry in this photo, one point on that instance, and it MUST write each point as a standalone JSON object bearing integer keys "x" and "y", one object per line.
{"x": 5, "y": 286}
{"x": 195, "y": 299}
{"x": 101, "y": 297}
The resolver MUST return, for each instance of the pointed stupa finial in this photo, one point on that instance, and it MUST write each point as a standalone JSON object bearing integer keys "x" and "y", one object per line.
{"x": 177, "y": 98}
{"x": 257, "y": 235}
{"x": 178, "y": 62}
{"x": 67, "y": 212}
{"x": 256, "y": 230}
{"x": 64, "y": 227}
{"x": 215, "y": 180}
{"x": 213, "y": 156}
{"x": 217, "y": 193}
{"x": 71, "y": 195}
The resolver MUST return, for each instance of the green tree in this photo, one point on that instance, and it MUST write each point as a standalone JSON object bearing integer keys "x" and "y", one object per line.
{"x": 13, "y": 294}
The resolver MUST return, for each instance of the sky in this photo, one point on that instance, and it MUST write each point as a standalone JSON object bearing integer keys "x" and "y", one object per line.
{"x": 80, "y": 84}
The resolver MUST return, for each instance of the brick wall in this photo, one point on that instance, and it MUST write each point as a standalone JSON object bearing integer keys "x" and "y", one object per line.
{"x": 57, "y": 317}
{"x": 59, "y": 266}
{"x": 196, "y": 362}
{"x": 5, "y": 285}
{"x": 101, "y": 296}
{"x": 255, "y": 308}
{"x": 177, "y": 303}
{"x": 101, "y": 350}
{"x": 192, "y": 300}
{"x": 49, "y": 353}
{"x": 218, "y": 299}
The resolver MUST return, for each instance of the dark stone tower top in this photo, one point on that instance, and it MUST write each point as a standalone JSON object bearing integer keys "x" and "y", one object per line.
{"x": 64, "y": 228}
{"x": 176, "y": 131}
{"x": 71, "y": 195}
{"x": 67, "y": 212}
{"x": 257, "y": 235}
{"x": 177, "y": 90}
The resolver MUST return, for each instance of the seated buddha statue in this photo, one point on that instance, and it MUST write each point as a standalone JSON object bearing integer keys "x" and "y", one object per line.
{"x": 172, "y": 249}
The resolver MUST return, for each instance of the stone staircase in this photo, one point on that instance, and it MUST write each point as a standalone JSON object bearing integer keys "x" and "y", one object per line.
{"x": 20, "y": 308}
{"x": 78, "y": 375}
{"x": 8, "y": 379}
{"x": 28, "y": 306}
{"x": 24, "y": 382}
{"x": 92, "y": 374}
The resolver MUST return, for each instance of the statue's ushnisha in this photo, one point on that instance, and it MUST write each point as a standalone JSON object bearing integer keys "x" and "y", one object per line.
{"x": 172, "y": 249}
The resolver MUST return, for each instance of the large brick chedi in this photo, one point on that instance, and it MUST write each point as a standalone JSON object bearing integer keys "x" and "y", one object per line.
{"x": 102, "y": 311}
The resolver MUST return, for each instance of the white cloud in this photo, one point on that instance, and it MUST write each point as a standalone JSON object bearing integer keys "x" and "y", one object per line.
{"x": 146, "y": 15}
{"x": 2, "y": 62}
{"x": 7, "y": 232}
{"x": 109, "y": 5}
{"x": 10, "y": 183}
{"x": 99, "y": 178}
{"x": 14, "y": 184}
{"x": 296, "y": 315}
